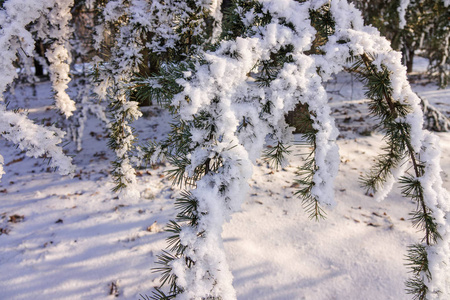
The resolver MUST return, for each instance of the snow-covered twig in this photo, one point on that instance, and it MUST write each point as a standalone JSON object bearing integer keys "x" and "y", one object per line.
{"x": 434, "y": 119}
{"x": 58, "y": 17}
{"x": 114, "y": 78}
{"x": 35, "y": 140}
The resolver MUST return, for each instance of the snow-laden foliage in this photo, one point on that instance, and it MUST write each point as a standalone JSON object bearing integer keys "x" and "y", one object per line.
{"x": 58, "y": 17}
{"x": 363, "y": 40}
{"x": 402, "y": 12}
{"x": 20, "y": 22}
{"x": 113, "y": 77}
{"x": 279, "y": 54}
{"x": 34, "y": 139}
{"x": 438, "y": 199}
{"x": 226, "y": 120}
{"x": 402, "y": 119}
{"x": 49, "y": 20}
{"x": 140, "y": 44}
{"x": 229, "y": 78}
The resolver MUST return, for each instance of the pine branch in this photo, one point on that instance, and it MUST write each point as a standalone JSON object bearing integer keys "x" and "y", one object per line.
{"x": 276, "y": 156}
{"x": 399, "y": 147}
{"x": 308, "y": 169}
{"x": 418, "y": 263}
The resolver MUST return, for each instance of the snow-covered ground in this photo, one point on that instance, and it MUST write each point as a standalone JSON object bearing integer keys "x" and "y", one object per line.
{"x": 71, "y": 238}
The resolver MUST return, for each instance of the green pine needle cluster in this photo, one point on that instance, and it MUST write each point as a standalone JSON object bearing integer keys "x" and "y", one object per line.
{"x": 308, "y": 169}
{"x": 235, "y": 12}
{"x": 187, "y": 216}
{"x": 119, "y": 134}
{"x": 176, "y": 149}
{"x": 386, "y": 111}
{"x": 398, "y": 150}
{"x": 276, "y": 155}
{"x": 418, "y": 263}
{"x": 322, "y": 20}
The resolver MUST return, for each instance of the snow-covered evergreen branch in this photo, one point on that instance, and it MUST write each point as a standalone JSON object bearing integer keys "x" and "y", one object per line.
{"x": 59, "y": 32}
{"x": 278, "y": 55}
{"x": 19, "y": 21}
{"x": 14, "y": 17}
{"x": 399, "y": 113}
{"x": 226, "y": 121}
{"x": 15, "y": 36}
{"x": 36, "y": 140}
{"x": 114, "y": 76}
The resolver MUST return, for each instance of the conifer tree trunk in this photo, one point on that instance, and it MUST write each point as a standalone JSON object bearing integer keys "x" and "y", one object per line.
{"x": 408, "y": 58}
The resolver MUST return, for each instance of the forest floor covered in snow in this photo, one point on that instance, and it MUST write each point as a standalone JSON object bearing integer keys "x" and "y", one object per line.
{"x": 72, "y": 238}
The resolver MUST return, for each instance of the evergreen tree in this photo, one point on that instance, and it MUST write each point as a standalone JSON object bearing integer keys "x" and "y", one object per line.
{"x": 279, "y": 55}
{"x": 229, "y": 72}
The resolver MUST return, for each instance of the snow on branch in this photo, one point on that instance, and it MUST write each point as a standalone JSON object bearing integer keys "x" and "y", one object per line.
{"x": 59, "y": 17}
{"x": 279, "y": 53}
{"x": 216, "y": 14}
{"x": 402, "y": 12}
{"x": 19, "y": 21}
{"x": 114, "y": 78}
{"x": 2, "y": 161}
{"x": 399, "y": 112}
{"x": 36, "y": 140}
{"x": 375, "y": 51}
{"x": 224, "y": 122}
{"x": 15, "y": 18}
{"x": 437, "y": 198}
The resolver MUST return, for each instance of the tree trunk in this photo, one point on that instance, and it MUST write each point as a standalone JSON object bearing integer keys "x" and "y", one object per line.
{"x": 408, "y": 58}
{"x": 39, "y": 68}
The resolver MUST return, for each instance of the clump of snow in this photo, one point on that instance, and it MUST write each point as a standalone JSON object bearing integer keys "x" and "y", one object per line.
{"x": 437, "y": 198}
{"x": 59, "y": 73}
{"x": 401, "y": 9}
{"x": 2, "y": 161}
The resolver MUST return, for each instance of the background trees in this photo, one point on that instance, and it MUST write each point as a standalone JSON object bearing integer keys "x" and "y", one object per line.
{"x": 415, "y": 28}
